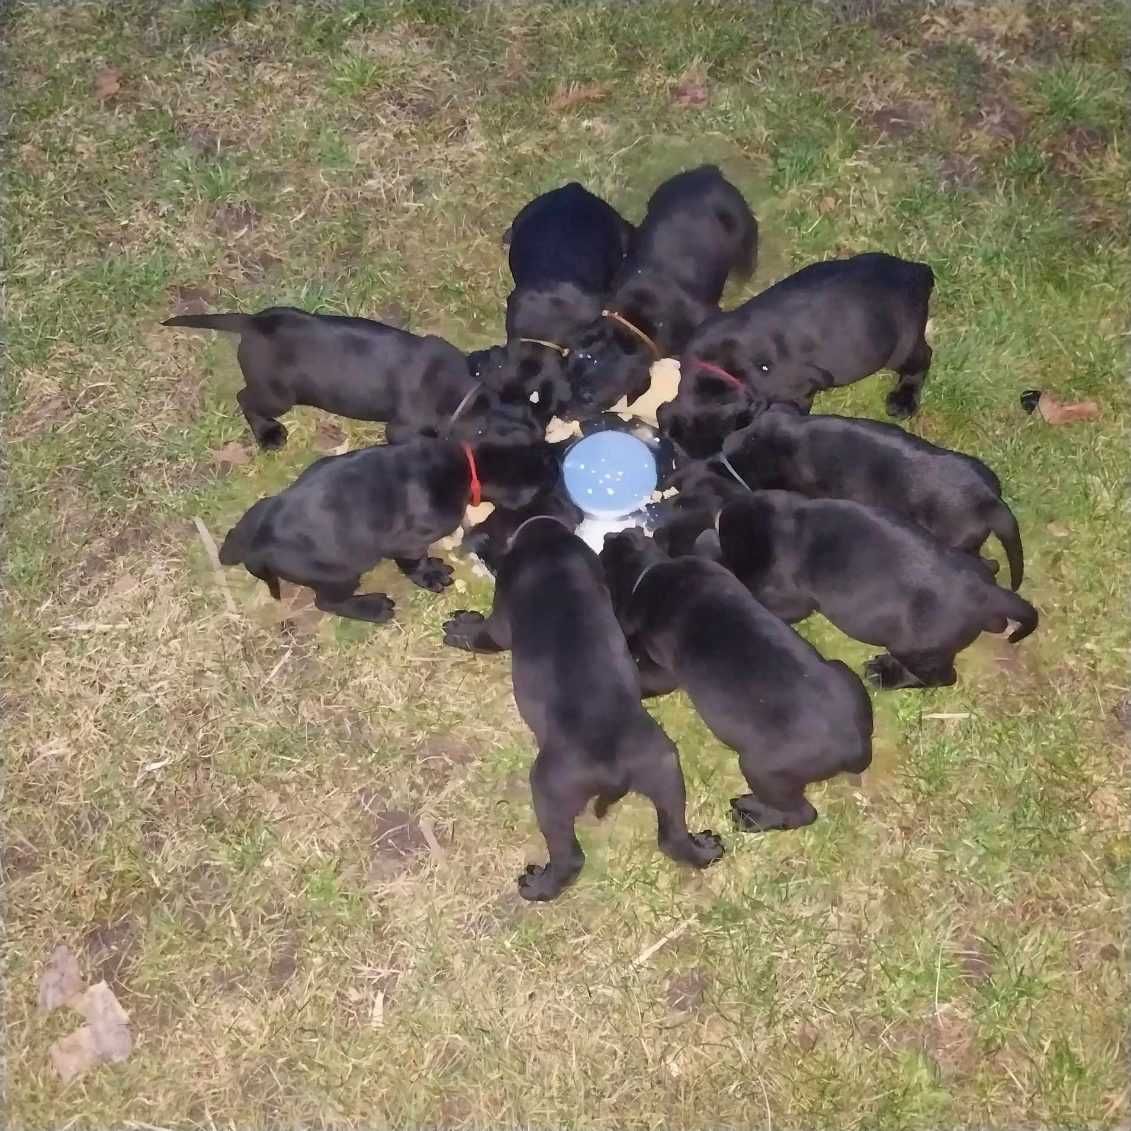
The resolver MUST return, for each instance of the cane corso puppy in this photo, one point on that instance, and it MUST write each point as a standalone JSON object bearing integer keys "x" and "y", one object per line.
{"x": 704, "y": 487}
{"x": 577, "y": 688}
{"x": 793, "y": 717}
{"x": 346, "y": 513}
{"x": 952, "y": 496}
{"x": 566, "y": 247}
{"x": 488, "y": 539}
{"x": 709, "y": 405}
{"x": 363, "y": 370}
{"x": 697, "y": 231}
{"x": 829, "y": 324}
{"x": 879, "y": 578}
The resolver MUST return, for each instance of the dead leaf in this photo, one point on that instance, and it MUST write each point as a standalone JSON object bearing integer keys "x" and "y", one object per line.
{"x": 1057, "y": 412}
{"x": 105, "y": 1037}
{"x": 1058, "y": 530}
{"x": 576, "y": 93}
{"x": 60, "y": 980}
{"x": 75, "y": 1053}
{"x": 108, "y": 1022}
{"x": 807, "y": 1037}
{"x": 691, "y": 90}
{"x": 107, "y": 83}
{"x": 232, "y": 454}
{"x": 328, "y": 437}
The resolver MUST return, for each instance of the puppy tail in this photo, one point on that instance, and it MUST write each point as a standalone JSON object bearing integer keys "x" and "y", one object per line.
{"x": 1004, "y": 526}
{"x": 605, "y": 801}
{"x": 1017, "y": 609}
{"x": 231, "y": 323}
{"x": 237, "y": 545}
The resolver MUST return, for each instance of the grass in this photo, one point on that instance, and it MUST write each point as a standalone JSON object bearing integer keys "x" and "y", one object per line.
{"x": 294, "y": 861}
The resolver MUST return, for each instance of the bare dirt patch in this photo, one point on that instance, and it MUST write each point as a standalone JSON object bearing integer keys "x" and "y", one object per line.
{"x": 110, "y": 948}
{"x": 900, "y": 120}
{"x": 685, "y": 992}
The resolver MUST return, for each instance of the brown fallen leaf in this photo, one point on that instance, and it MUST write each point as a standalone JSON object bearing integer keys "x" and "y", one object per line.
{"x": 1058, "y": 530}
{"x": 108, "y": 1021}
{"x": 328, "y": 437}
{"x": 691, "y": 90}
{"x": 107, "y": 83}
{"x": 75, "y": 1053}
{"x": 60, "y": 980}
{"x": 576, "y": 93}
{"x": 1057, "y": 412}
{"x": 232, "y": 454}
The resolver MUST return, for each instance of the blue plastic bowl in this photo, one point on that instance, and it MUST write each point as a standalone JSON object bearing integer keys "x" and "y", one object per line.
{"x": 610, "y": 474}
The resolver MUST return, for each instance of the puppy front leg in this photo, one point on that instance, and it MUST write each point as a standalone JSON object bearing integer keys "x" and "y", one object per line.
{"x": 432, "y": 574}
{"x": 268, "y": 432}
{"x": 558, "y": 799}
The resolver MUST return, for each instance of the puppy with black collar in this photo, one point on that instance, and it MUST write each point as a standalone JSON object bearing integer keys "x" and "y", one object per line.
{"x": 577, "y": 688}
{"x": 697, "y": 232}
{"x": 793, "y": 717}
{"x": 954, "y": 497}
{"x": 364, "y": 370}
{"x": 346, "y": 513}
{"x": 879, "y": 578}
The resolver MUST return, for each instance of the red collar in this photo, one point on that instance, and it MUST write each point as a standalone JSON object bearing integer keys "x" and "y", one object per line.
{"x": 476, "y": 486}
{"x": 718, "y": 371}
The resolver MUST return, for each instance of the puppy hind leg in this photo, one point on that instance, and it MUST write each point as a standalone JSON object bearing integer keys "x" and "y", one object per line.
{"x": 903, "y": 400}
{"x": 660, "y": 779}
{"x": 558, "y": 799}
{"x": 775, "y": 802}
{"x": 342, "y": 600}
{"x": 268, "y": 432}
{"x": 910, "y": 670}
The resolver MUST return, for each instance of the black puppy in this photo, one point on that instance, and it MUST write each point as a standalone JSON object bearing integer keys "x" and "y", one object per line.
{"x": 361, "y": 369}
{"x": 709, "y": 405}
{"x": 703, "y": 490}
{"x": 828, "y": 324}
{"x": 577, "y": 689}
{"x": 877, "y": 577}
{"x": 697, "y": 231}
{"x": 488, "y": 539}
{"x": 793, "y": 717}
{"x": 566, "y": 247}
{"x": 346, "y": 513}
{"x": 952, "y": 496}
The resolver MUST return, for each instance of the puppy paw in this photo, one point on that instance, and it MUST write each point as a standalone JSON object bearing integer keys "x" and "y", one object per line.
{"x": 433, "y": 574}
{"x": 537, "y": 884}
{"x": 709, "y": 847}
{"x": 461, "y": 628}
{"x": 273, "y": 438}
{"x": 885, "y": 673}
{"x": 374, "y": 607}
{"x": 900, "y": 404}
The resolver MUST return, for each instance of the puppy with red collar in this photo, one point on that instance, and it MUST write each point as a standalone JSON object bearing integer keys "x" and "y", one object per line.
{"x": 346, "y": 513}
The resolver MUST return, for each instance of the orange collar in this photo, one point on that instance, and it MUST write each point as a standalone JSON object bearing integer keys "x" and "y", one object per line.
{"x": 476, "y": 486}
{"x": 620, "y": 319}
{"x": 549, "y": 345}
{"x": 718, "y": 371}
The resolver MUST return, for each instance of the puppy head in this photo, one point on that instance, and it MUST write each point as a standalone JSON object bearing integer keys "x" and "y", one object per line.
{"x": 707, "y": 410}
{"x": 490, "y": 416}
{"x": 624, "y": 557}
{"x": 606, "y": 362}
{"x": 490, "y": 539}
{"x": 525, "y": 376}
{"x": 513, "y": 474}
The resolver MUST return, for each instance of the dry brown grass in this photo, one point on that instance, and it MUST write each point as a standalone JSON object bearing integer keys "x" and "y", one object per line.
{"x": 292, "y": 855}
